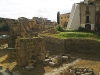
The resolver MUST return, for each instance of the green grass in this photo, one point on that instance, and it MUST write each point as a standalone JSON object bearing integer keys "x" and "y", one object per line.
{"x": 78, "y": 34}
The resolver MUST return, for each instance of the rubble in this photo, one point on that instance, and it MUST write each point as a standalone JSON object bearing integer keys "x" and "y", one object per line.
{"x": 17, "y": 73}
{"x": 81, "y": 71}
{"x": 55, "y": 60}
{"x": 29, "y": 67}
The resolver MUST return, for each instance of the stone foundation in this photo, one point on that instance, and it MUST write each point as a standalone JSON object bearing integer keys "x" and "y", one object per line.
{"x": 30, "y": 50}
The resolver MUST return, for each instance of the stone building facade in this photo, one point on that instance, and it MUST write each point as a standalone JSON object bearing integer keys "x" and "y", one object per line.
{"x": 64, "y": 18}
{"x": 30, "y": 51}
{"x": 97, "y": 22}
{"x": 85, "y": 14}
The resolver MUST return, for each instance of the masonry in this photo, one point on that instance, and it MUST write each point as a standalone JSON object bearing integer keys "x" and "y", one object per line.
{"x": 69, "y": 45}
{"x": 54, "y": 45}
{"x": 30, "y": 50}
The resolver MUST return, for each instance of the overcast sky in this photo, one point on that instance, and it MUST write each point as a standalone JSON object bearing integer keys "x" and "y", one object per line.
{"x": 35, "y": 8}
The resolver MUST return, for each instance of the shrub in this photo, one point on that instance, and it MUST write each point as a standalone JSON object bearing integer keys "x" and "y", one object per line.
{"x": 59, "y": 28}
{"x": 81, "y": 29}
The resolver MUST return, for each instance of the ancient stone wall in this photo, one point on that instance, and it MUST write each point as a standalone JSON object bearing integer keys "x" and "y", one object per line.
{"x": 11, "y": 53}
{"x": 30, "y": 50}
{"x": 34, "y": 49}
{"x": 57, "y": 46}
{"x": 82, "y": 46}
{"x": 54, "y": 45}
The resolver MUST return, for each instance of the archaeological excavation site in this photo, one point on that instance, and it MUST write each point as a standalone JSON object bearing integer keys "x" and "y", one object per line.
{"x": 48, "y": 55}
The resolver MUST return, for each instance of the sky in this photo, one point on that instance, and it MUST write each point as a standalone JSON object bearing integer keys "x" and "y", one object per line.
{"x": 35, "y": 8}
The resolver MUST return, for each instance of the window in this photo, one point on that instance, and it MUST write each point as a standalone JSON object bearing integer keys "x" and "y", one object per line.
{"x": 65, "y": 17}
{"x": 98, "y": 19}
{"x": 87, "y": 8}
{"x": 88, "y": 26}
{"x": 87, "y": 19}
{"x": 61, "y": 18}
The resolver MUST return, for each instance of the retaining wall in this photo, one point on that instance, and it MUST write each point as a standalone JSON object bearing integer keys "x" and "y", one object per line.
{"x": 34, "y": 49}
{"x": 56, "y": 45}
{"x": 82, "y": 45}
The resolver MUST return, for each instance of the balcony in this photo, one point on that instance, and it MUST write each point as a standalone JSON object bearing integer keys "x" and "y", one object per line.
{"x": 87, "y": 12}
{"x": 98, "y": 13}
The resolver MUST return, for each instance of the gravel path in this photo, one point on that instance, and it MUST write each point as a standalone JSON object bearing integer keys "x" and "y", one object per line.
{"x": 58, "y": 70}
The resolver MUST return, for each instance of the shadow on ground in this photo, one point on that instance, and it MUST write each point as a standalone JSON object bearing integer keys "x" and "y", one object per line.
{"x": 86, "y": 56}
{"x": 5, "y": 59}
{"x": 38, "y": 70}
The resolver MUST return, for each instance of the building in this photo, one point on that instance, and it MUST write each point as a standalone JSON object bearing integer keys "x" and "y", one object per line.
{"x": 85, "y": 14}
{"x": 64, "y": 18}
{"x": 49, "y": 24}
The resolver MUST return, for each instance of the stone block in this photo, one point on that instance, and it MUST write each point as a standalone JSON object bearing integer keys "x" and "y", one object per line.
{"x": 30, "y": 49}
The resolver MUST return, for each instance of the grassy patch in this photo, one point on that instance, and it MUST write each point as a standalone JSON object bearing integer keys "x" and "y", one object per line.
{"x": 77, "y": 34}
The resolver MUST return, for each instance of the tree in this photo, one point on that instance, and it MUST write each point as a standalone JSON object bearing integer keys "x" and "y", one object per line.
{"x": 5, "y": 28}
{"x": 58, "y": 17}
{"x": 59, "y": 28}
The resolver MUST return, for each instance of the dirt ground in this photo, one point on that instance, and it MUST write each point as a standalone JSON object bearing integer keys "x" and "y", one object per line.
{"x": 6, "y": 62}
{"x": 88, "y": 61}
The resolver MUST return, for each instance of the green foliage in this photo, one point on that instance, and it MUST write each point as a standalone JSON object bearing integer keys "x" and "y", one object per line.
{"x": 81, "y": 29}
{"x": 5, "y": 28}
{"x": 70, "y": 30}
{"x": 77, "y": 34}
{"x": 59, "y": 28}
{"x": 58, "y": 18}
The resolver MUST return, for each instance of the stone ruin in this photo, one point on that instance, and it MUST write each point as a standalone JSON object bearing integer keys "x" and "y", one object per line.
{"x": 11, "y": 53}
{"x": 55, "y": 60}
{"x": 81, "y": 71}
{"x": 30, "y": 51}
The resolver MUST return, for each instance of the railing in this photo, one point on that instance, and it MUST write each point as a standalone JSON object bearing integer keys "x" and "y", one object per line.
{"x": 87, "y": 12}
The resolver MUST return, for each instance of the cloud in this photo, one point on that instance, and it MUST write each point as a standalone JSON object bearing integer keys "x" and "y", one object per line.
{"x": 30, "y": 8}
